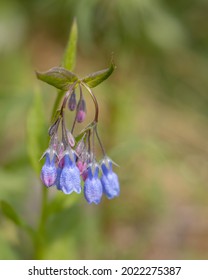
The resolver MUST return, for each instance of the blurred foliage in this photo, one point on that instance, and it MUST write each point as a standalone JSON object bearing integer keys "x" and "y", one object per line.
{"x": 154, "y": 116}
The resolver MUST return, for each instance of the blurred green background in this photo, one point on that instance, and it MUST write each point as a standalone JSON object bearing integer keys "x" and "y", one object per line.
{"x": 153, "y": 122}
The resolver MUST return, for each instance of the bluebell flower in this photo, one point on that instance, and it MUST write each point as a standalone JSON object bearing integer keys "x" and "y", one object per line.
{"x": 69, "y": 177}
{"x": 93, "y": 188}
{"x": 109, "y": 179}
{"x": 49, "y": 170}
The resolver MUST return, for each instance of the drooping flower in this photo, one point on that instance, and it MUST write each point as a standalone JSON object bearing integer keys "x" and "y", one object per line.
{"x": 81, "y": 114}
{"x": 109, "y": 179}
{"x": 69, "y": 177}
{"x": 93, "y": 188}
{"x": 70, "y": 158}
{"x": 49, "y": 170}
{"x": 72, "y": 103}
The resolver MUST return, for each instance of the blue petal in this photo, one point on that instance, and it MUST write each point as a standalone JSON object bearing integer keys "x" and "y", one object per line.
{"x": 70, "y": 177}
{"x": 59, "y": 170}
{"x": 93, "y": 190}
{"x": 110, "y": 185}
{"x": 49, "y": 172}
{"x": 70, "y": 180}
{"x": 104, "y": 169}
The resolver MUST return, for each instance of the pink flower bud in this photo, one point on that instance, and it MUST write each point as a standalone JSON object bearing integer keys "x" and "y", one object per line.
{"x": 81, "y": 114}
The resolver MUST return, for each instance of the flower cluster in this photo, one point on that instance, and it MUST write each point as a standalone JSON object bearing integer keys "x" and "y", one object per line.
{"x": 70, "y": 162}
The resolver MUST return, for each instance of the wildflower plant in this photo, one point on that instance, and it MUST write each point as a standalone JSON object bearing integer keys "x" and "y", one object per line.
{"x": 70, "y": 160}
{"x": 71, "y": 165}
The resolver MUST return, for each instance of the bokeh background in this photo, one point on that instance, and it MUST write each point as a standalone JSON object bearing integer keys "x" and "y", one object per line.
{"x": 153, "y": 122}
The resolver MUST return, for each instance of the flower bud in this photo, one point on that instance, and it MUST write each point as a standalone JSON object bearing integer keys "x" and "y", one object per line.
{"x": 80, "y": 146}
{"x": 81, "y": 114}
{"x": 82, "y": 166}
{"x": 71, "y": 139}
{"x": 72, "y": 103}
{"x": 61, "y": 155}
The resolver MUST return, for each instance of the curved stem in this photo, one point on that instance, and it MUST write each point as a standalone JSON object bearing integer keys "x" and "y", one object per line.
{"x": 56, "y": 103}
{"x": 67, "y": 96}
{"x": 98, "y": 138}
{"x": 94, "y": 100}
{"x": 77, "y": 110}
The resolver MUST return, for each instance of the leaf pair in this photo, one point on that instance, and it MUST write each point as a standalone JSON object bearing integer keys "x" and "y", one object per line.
{"x": 62, "y": 78}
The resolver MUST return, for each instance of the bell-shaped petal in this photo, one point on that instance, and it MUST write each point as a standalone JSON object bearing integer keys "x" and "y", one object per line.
{"x": 109, "y": 179}
{"x": 70, "y": 177}
{"x": 93, "y": 188}
{"x": 49, "y": 170}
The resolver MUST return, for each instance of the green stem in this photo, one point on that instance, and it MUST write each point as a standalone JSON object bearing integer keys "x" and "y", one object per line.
{"x": 59, "y": 97}
{"x": 41, "y": 231}
{"x": 94, "y": 100}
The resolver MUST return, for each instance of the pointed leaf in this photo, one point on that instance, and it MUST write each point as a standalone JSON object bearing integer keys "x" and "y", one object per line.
{"x": 69, "y": 59}
{"x": 96, "y": 78}
{"x": 10, "y": 213}
{"x": 58, "y": 77}
{"x": 36, "y": 132}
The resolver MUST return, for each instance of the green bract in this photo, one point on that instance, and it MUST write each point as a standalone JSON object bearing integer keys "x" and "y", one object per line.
{"x": 96, "y": 78}
{"x": 58, "y": 77}
{"x": 61, "y": 78}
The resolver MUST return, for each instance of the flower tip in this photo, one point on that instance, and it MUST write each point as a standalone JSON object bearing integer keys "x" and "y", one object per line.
{"x": 48, "y": 180}
{"x": 81, "y": 116}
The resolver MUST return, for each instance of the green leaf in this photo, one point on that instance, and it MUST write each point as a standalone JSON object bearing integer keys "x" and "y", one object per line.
{"x": 58, "y": 77}
{"x": 36, "y": 132}
{"x": 10, "y": 213}
{"x": 96, "y": 78}
{"x": 69, "y": 59}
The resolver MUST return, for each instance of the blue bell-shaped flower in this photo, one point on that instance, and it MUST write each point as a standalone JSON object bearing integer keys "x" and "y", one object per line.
{"x": 109, "y": 179}
{"x": 93, "y": 188}
{"x": 69, "y": 177}
{"x": 49, "y": 170}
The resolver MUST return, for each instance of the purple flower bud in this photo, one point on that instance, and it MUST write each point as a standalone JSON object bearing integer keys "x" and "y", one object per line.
{"x": 60, "y": 155}
{"x": 82, "y": 166}
{"x": 55, "y": 142}
{"x": 93, "y": 188}
{"x": 81, "y": 114}
{"x": 72, "y": 103}
{"x": 71, "y": 139}
{"x": 80, "y": 147}
{"x": 109, "y": 179}
{"x": 70, "y": 177}
{"x": 49, "y": 171}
